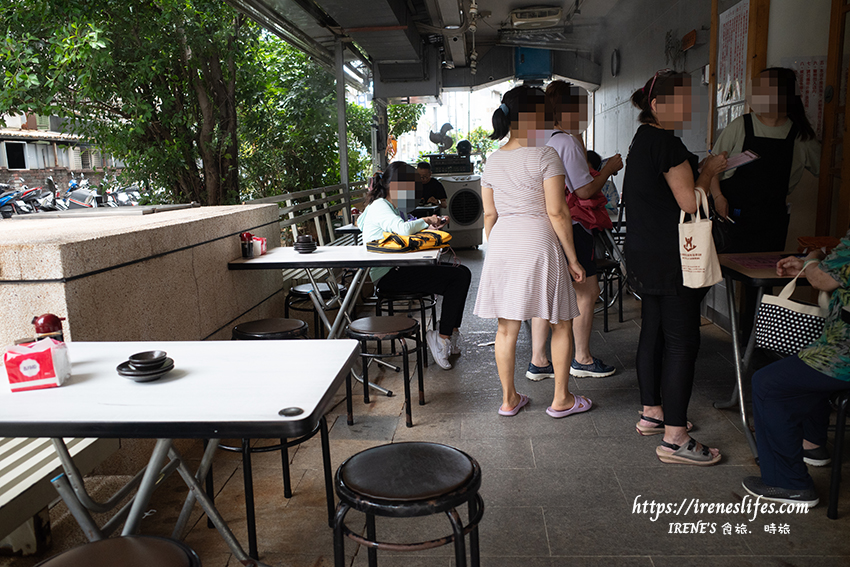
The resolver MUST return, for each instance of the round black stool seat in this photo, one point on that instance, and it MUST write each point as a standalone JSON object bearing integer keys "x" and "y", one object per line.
{"x": 382, "y": 328}
{"x": 408, "y": 473}
{"x": 127, "y": 551}
{"x": 270, "y": 329}
{"x": 404, "y": 480}
{"x": 324, "y": 289}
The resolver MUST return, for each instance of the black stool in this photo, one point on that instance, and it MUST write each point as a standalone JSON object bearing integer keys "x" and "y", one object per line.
{"x": 838, "y": 449}
{"x": 426, "y": 301}
{"x": 127, "y": 551}
{"x": 610, "y": 270}
{"x": 275, "y": 329}
{"x": 270, "y": 329}
{"x": 392, "y": 328}
{"x": 298, "y": 299}
{"x": 404, "y": 480}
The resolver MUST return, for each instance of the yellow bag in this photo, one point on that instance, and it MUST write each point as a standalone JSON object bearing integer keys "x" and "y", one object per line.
{"x": 393, "y": 243}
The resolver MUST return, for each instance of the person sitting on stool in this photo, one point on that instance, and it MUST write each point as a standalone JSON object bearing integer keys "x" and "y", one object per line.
{"x": 452, "y": 282}
{"x": 791, "y": 396}
{"x": 433, "y": 192}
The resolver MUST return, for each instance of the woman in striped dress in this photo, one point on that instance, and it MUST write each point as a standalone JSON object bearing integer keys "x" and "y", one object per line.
{"x": 529, "y": 233}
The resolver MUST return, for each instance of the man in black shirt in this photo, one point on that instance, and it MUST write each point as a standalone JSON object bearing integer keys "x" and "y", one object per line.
{"x": 433, "y": 191}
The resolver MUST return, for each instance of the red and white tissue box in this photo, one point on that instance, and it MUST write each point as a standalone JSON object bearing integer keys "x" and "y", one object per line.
{"x": 259, "y": 246}
{"x": 33, "y": 366}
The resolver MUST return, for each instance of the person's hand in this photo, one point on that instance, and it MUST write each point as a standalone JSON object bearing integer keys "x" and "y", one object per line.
{"x": 721, "y": 205}
{"x": 789, "y": 266}
{"x": 434, "y": 221}
{"x": 613, "y": 165}
{"x": 433, "y": 200}
{"x": 576, "y": 271}
{"x": 715, "y": 163}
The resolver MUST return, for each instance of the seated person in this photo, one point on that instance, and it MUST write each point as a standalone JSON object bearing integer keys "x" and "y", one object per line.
{"x": 609, "y": 189}
{"x": 791, "y": 397}
{"x": 433, "y": 192}
{"x": 452, "y": 282}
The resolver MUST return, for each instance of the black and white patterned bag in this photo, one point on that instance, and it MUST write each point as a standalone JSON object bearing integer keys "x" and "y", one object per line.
{"x": 787, "y": 326}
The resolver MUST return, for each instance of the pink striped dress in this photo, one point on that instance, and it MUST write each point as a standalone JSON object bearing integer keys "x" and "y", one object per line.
{"x": 525, "y": 271}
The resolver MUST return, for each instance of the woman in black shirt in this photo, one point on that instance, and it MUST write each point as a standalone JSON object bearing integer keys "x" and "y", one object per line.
{"x": 659, "y": 183}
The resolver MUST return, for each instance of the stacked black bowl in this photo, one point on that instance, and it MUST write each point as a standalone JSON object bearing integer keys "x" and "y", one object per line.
{"x": 146, "y": 366}
{"x": 305, "y": 244}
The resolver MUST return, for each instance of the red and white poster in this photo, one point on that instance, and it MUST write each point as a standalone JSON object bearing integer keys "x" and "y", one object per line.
{"x": 732, "y": 54}
{"x": 811, "y": 77}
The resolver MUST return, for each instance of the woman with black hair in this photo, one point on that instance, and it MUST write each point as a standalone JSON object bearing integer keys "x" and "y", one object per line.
{"x": 452, "y": 282}
{"x": 661, "y": 175}
{"x": 778, "y": 130}
{"x": 530, "y": 251}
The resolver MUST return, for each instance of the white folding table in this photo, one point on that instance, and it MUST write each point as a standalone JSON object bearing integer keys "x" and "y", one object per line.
{"x": 217, "y": 389}
{"x": 329, "y": 257}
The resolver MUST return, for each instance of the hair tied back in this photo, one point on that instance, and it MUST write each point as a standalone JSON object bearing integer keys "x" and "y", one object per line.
{"x": 504, "y": 108}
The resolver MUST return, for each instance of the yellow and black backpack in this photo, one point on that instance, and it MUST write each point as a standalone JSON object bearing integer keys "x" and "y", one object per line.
{"x": 392, "y": 243}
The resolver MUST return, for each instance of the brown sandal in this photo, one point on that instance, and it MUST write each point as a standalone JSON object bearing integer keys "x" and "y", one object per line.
{"x": 690, "y": 455}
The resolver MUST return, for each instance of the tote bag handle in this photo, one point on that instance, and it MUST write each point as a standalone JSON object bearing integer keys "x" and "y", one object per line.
{"x": 702, "y": 201}
{"x": 788, "y": 290}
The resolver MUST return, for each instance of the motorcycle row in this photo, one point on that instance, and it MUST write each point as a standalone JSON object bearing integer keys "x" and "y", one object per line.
{"x": 78, "y": 195}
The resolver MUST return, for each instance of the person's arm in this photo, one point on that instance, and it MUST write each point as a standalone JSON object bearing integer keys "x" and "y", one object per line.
{"x": 680, "y": 178}
{"x": 490, "y": 213}
{"x": 720, "y": 202}
{"x": 389, "y": 221}
{"x": 819, "y": 279}
{"x": 562, "y": 222}
{"x": 612, "y": 166}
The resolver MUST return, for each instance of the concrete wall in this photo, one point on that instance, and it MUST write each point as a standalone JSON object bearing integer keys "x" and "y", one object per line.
{"x": 162, "y": 276}
{"x": 637, "y": 28}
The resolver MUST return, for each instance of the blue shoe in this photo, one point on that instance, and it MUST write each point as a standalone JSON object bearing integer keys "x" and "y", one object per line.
{"x": 596, "y": 369}
{"x": 537, "y": 373}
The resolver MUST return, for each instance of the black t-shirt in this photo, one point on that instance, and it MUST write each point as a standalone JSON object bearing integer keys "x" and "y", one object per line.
{"x": 433, "y": 189}
{"x": 652, "y": 244}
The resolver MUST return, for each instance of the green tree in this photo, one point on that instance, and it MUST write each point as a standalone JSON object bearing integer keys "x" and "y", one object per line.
{"x": 153, "y": 83}
{"x": 288, "y": 127}
{"x": 402, "y": 118}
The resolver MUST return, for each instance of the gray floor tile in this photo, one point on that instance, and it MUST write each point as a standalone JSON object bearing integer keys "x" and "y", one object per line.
{"x": 579, "y": 487}
{"x": 531, "y": 421}
{"x": 572, "y": 529}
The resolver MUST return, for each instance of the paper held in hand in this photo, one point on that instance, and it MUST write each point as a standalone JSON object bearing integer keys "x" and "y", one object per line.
{"x": 741, "y": 159}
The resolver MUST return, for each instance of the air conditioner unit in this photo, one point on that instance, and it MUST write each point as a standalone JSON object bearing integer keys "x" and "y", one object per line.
{"x": 536, "y": 17}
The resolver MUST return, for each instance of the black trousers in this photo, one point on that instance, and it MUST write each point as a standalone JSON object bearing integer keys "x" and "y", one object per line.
{"x": 667, "y": 351}
{"x": 452, "y": 282}
{"x": 790, "y": 403}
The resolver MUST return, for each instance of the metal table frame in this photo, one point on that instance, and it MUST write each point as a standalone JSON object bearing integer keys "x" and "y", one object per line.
{"x": 90, "y": 362}
{"x": 328, "y": 258}
{"x": 762, "y": 280}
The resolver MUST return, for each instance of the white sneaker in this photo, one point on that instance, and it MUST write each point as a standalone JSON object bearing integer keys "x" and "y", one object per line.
{"x": 440, "y": 348}
{"x": 456, "y": 342}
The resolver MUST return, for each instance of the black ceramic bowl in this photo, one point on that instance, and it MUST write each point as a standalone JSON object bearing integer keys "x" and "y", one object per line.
{"x": 305, "y": 238}
{"x": 147, "y": 359}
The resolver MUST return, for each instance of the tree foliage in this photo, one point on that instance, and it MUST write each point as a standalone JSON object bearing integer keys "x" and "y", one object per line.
{"x": 193, "y": 98}
{"x": 154, "y": 83}
{"x": 288, "y": 127}
{"x": 402, "y": 118}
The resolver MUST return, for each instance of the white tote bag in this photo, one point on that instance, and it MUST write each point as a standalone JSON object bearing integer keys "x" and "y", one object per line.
{"x": 700, "y": 265}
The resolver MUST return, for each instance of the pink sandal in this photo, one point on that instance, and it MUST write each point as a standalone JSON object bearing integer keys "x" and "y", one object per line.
{"x": 581, "y": 405}
{"x": 523, "y": 400}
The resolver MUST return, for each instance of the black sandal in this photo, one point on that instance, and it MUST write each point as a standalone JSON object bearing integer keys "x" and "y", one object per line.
{"x": 654, "y": 429}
